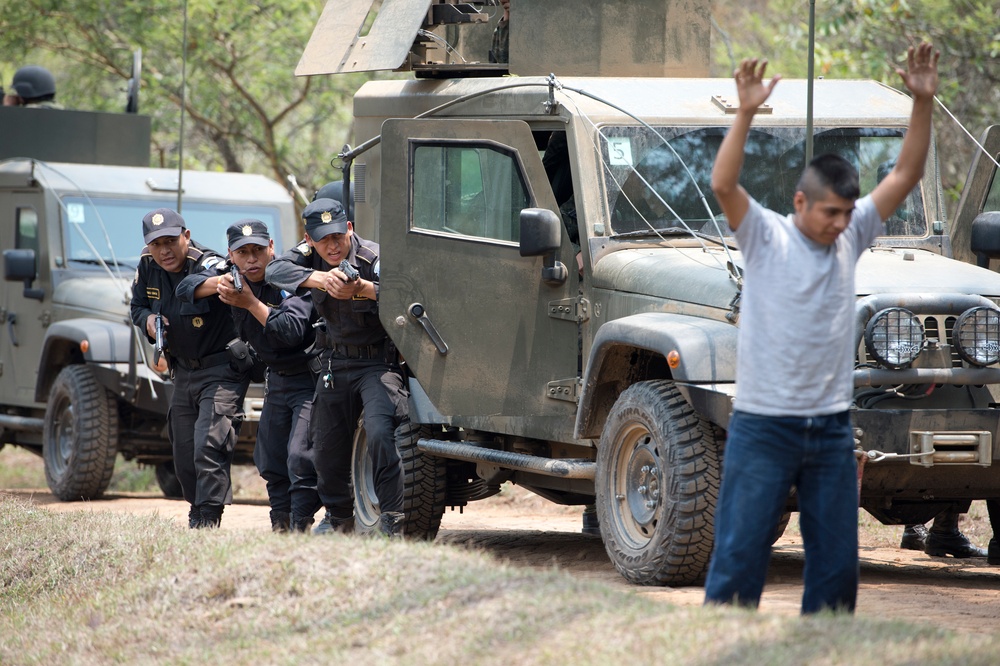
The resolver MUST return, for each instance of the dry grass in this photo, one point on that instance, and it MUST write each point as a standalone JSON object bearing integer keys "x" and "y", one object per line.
{"x": 99, "y": 588}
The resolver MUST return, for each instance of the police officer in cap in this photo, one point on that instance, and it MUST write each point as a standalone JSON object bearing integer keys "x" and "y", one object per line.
{"x": 209, "y": 364}
{"x": 279, "y": 328}
{"x": 361, "y": 364}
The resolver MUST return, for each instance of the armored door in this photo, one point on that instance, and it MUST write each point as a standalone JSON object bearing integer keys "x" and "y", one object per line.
{"x": 493, "y": 345}
{"x": 22, "y": 316}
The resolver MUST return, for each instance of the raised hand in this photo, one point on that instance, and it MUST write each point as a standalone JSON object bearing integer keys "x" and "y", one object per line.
{"x": 921, "y": 75}
{"x": 750, "y": 83}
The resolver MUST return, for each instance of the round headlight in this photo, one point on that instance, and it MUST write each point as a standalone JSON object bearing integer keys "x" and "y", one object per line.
{"x": 977, "y": 336}
{"x": 894, "y": 337}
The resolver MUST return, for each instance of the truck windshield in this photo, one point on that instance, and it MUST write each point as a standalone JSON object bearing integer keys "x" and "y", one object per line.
{"x": 111, "y": 229}
{"x": 654, "y": 185}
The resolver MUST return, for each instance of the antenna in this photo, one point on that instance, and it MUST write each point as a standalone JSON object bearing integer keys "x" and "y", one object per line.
{"x": 809, "y": 84}
{"x": 180, "y": 138}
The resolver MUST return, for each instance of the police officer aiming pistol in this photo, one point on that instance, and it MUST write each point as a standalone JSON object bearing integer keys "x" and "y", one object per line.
{"x": 278, "y": 326}
{"x": 361, "y": 369}
{"x": 209, "y": 364}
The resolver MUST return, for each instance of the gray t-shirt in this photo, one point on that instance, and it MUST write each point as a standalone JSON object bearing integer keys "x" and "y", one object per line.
{"x": 796, "y": 335}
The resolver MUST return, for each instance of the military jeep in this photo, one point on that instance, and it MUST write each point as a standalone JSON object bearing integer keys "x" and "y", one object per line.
{"x": 78, "y": 385}
{"x": 610, "y": 381}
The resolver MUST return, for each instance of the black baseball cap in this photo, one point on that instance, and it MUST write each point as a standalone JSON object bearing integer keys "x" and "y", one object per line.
{"x": 247, "y": 231}
{"x": 324, "y": 217}
{"x": 161, "y": 222}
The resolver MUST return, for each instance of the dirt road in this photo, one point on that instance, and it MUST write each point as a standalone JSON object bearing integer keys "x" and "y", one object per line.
{"x": 518, "y": 527}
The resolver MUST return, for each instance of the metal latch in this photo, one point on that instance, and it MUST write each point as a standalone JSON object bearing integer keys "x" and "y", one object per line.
{"x": 564, "y": 389}
{"x": 973, "y": 447}
{"x": 570, "y": 309}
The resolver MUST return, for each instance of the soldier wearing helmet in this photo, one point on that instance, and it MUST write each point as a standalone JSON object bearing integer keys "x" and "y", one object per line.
{"x": 32, "y": 86}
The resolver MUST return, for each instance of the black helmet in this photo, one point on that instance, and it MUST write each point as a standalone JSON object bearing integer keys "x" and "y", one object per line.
{"x": 333, "y": 190}
{"x": 34, "y": 82}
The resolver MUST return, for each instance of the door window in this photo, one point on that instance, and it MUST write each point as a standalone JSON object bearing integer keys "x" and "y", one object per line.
{"x": 467, "y": 189}
{"x": 27, "y": 229}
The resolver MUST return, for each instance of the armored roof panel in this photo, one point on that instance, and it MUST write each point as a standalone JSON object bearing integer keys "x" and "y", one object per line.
{"x": 449, "y": 37}
{"x": 686, "y": 101}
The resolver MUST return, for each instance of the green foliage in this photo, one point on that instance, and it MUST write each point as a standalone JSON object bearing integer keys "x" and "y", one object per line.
{"x": 245, "y": 110}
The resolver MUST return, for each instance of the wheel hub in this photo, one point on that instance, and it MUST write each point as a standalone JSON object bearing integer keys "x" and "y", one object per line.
{"x": 643, "y": 484}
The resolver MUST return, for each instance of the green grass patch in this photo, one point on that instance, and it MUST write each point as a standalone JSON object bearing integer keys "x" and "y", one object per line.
{"x": 104, "y": 588}
{"x": 20, "y": 468}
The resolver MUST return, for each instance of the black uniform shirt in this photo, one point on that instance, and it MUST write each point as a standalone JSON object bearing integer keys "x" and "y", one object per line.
{"x": 196, "y": 330}
{"x": 281, "y": 343}
{"x": 353, "y": 322}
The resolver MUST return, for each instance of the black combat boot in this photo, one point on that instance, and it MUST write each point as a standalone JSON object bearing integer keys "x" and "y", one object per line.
{"x": 211, "y": 516}
{"x": 944, "y": 538}
{"x": 914, "y": 537}
{"x": 391, "y": 524}
{"x": 194, "y": 517}
{"x": 280, "y": 521}
{"x": 591, "y": 525}
{"x": 301, "y": 523}
{"x": 332, "y": 525}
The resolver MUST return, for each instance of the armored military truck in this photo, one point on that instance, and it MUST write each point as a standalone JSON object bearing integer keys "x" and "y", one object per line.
{"x": 559, "y": 279}
{"x": 77, "y": 384}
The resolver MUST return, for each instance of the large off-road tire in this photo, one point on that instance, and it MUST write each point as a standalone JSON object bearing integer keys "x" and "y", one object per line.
{"x": 80, "y": 438}
{"x": 424, "y": 486}
{"x": 166, "y": 478}
{"x": 657, "y": 485}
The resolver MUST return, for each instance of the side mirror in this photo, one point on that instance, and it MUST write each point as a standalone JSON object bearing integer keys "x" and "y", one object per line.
{"x": 541, "y": 234}
{"x": 985, "y": 238}
{"x": 20, "y": 265}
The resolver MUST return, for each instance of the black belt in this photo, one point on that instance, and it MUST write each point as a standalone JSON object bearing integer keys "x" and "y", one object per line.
{"x": 291, "y": 372}
{"x": 359, "y": 351}
{"x": 204, "y": 362}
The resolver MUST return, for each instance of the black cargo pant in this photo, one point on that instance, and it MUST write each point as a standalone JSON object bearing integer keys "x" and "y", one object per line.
{"x": 282, "y": 452}
{"x": 350, "y": 386}
{"x": 202, "y": 433}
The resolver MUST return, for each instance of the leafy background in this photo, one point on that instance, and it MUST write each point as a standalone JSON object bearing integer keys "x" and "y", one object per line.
{"x": 246, "y": 111}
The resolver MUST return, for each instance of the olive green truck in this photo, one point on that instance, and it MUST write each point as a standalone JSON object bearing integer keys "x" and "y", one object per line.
{"x": 566, "y": 294}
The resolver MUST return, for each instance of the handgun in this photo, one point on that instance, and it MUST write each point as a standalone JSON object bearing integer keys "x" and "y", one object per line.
{"x": 160, "y": 339}
{"x": 350, "y": 271}
{"x": 237, "y": 278}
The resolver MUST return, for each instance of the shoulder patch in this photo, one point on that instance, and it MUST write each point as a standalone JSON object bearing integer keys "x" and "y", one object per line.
{"x": 213, "y": 262}
{"x": 304, "y": 249}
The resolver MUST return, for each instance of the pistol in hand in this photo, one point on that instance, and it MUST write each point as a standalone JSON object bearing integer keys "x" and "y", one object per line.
{"x": 160, "y": 339}
{"x": 350, "y": 271}
{"x": 237, "y": 278}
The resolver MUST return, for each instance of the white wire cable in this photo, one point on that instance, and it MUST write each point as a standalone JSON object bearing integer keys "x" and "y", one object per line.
{"x": 967, "y": 133}
{"x": 632, "y": 168}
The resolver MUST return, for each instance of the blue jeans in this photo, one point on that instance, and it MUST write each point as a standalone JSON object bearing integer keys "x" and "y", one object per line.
{"x": 765, "y": 456}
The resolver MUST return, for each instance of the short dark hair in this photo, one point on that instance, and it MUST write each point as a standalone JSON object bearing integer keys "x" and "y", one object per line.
{"x": 829, "y": 172}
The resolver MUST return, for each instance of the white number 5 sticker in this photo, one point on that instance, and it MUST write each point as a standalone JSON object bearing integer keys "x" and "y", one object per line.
{"x": 619, "y": 151}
